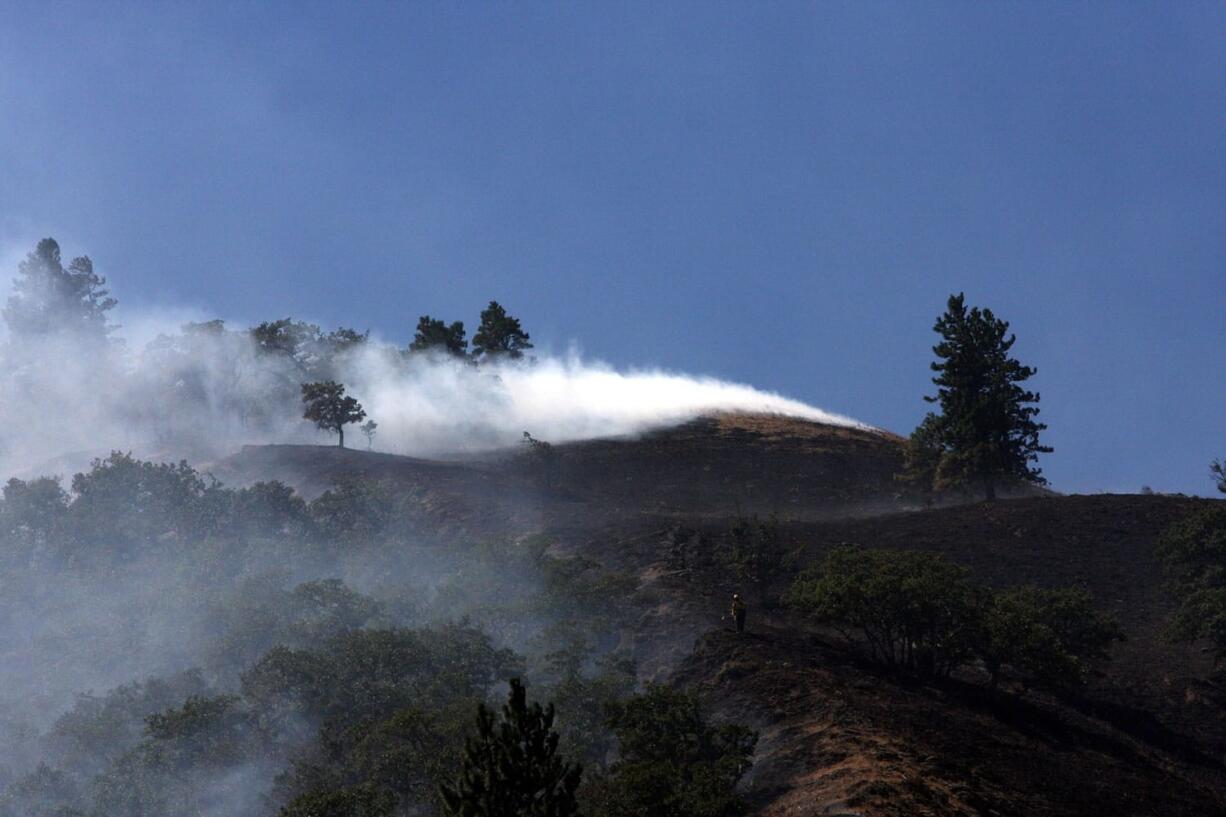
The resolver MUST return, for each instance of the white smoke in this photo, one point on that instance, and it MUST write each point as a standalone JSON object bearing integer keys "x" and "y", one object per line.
{"x": 441, "y": 407}
{"x": 201, "y": 396}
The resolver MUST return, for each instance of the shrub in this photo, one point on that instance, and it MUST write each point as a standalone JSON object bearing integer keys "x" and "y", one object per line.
{"x": 1193, "y": 552}
{"x": 672, "y": 763}
{"x": 916, "y": 611}
{"x": 1052, "y": 637}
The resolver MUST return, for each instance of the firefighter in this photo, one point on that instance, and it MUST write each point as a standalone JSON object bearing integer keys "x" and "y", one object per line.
{"x": 738, "y": 612}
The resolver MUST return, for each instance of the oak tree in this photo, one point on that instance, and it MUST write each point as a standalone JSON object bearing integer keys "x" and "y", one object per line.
{"x": 327, "y": 405}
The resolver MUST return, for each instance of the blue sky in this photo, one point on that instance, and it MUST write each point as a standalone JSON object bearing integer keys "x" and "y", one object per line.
{"x": 779, "y": 194}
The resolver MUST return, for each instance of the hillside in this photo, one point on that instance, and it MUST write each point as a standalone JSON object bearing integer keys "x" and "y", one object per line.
{"x": 708, "y": 466}
{"x": 837, "y": 736}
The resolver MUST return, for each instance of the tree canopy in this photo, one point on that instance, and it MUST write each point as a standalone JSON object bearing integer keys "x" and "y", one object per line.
{"x": 919, "y": 614}
{"x": 500, "y": 336}
{"x": 327, "y": 405}
{"x": 1193, "y": 552}
{"x": 49, "y": 298}
{"x": 512, "y": 768}
{"x": 915, "y": 611}
{"x": 433, "y": 335}
{"x": 672, "y": 762}
{"x": 987, "y": 429}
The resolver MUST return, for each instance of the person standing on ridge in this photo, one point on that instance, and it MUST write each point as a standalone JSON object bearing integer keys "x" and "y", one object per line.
{"x": 738, "y": 612}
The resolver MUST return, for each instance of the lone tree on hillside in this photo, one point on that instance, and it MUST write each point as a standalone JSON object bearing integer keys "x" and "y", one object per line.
{"x": 49, "y": 297}
{"x": 986, "y": 430}
{"x": 1218, "y": 469}
{"x": 369, "y": 428}
{"x": 499, "y": 336}
{"x": 433, "y": 335}
{"x": 329, "y": 408}
{"x": 511, "y": 767}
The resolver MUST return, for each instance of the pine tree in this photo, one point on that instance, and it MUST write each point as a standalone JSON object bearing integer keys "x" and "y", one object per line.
{"x": 329, "y": 408}
{"x": 50, "y": 298}
{"x": 499, "y": 336}
{"x": 986, "y": 430}
{"x": 433, "y": 335}
{"x": 512, "y": 767}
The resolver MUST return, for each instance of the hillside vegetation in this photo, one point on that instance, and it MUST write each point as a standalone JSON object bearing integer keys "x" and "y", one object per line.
{"x": 287, "y": 648}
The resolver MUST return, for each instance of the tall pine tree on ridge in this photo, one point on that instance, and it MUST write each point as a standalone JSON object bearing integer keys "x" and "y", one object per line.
{"x": 986, "y": 431}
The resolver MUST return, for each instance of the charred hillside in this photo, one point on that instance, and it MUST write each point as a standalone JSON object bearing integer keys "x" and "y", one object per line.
{"x": 838, "y": 735}
{"x": 711, "y": 466}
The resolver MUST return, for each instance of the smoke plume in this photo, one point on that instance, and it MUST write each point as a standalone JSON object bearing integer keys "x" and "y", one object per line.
{"x": 203, "y": 391}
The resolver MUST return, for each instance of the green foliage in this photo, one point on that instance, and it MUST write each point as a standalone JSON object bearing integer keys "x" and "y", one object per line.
{"x": 100, "y": 729}
{"x": 672, "y": 762}
{"x": 921, "y": 614}
{"x": 268, "y": 508}
{"x": 405, "y": 756}
{"x": 1193, "y": 553}
{"x": 372, "y": 673}
{"x": 1050, "y": 637}
{"x": 186, "y": 747}
{"x": 329, "y": 408}
{"x": 433, "y": 335}
{"x": 294, "y": 342}
{"x": 509, "y": 586}
{"x": 583, "y": 697}
{"x": 922, "y": 454}
{"x": 196, "y": 715}
{"x": 410, "y": 753}
{"x": 260, "y": 613}
{"x": 986, "y": 430}
{"x": 355, "y": 510}
{"x": 342, "y": 340}
{"x": 203, "y": 731}
{"x": 122, "y": 508}
{"x": 125, "y": 503}
{"x": 511, "y": 767}
{"x": 30, "y": 514}
{"x": 916, "y": 611}
{"x": 344, "y": 710}
{"x": 500, "y": 336}
{"x": 49, "y": 298}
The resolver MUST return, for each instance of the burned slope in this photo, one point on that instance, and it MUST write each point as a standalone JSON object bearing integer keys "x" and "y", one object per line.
{"x": 746, "y": 463}
{"x": 712, "y": 466}
{"x": 839, "y": 737}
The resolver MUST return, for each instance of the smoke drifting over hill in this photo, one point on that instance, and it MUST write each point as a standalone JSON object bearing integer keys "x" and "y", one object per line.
{"x": 438, "y": 408}
{"x": 205, "y": 390}
{"x": 175, "y": 645}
